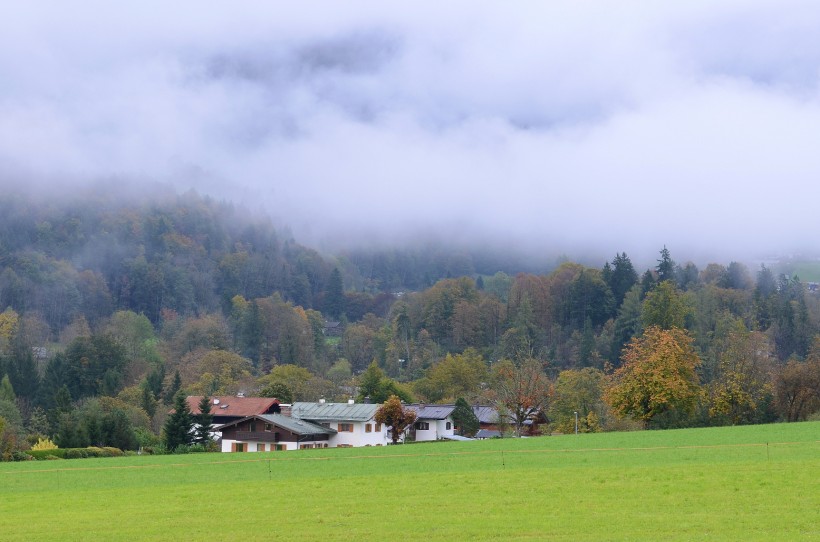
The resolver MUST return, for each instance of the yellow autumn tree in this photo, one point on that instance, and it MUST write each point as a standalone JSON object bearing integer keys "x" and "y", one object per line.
{"x": 658, "y": 376}
{"x": 8, "y": 327}
{"x": 743, "y": 382}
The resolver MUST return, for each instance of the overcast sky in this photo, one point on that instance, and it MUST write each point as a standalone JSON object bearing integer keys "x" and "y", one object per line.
{"x": 557, "y": 125}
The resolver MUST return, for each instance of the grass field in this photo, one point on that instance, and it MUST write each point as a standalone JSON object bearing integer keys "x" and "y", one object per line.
{"x": 741, "y": 483}
{"x": 807, "y": 271}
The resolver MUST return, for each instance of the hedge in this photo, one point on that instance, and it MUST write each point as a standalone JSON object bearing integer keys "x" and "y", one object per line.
{"x": 75, "y": 453}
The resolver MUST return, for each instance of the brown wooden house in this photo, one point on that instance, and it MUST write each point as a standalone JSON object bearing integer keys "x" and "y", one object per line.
{"x": 273, "y": 432}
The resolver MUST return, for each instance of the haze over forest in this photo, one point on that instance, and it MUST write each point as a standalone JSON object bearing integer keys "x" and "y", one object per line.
{"x": 560, "y": 128}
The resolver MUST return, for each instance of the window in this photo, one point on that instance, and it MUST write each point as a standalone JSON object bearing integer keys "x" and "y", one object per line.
{"x": 276, "y": 437}
{"x": 260, "y": 446}
{"x": 449, "y": 426}
{"x": 252, "y": 426}
{"x": 422, "y": 426}
{"x": 345, "y": 427}
{"x": 368, "y": 428}
{"x": 240, "y": 446}
{"x": 278, "y": 447}
{"x": 268, "y": 427}
{"x": 378, "y": 427}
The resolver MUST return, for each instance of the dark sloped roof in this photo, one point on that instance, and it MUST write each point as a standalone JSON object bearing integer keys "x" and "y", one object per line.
{"x": 295, "y": 426}
{"x": 432, "y": 412}
{"x": 485, "y": 414}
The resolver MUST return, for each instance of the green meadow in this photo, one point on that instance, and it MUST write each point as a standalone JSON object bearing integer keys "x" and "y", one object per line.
{"x": 807, "y": 271}
{"x": 736, "y": 483}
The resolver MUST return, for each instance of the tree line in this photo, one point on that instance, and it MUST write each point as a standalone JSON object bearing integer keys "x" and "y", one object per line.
{"x": 109, "y": 311}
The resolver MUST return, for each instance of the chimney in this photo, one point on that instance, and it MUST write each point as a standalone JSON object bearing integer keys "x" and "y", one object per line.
{"x": 350, "y": 402}
{"x": 322, "y": 401}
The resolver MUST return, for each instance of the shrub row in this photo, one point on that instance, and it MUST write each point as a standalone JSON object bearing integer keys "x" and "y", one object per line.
{"x": 75, "y": 453}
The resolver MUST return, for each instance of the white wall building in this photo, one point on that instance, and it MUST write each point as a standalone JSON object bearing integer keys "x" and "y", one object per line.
{"x": 433, "y": 422}
{"x": 354, "y": 423}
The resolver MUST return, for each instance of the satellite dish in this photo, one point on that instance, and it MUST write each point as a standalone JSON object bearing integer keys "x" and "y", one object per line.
{"x": 216, "y": 401}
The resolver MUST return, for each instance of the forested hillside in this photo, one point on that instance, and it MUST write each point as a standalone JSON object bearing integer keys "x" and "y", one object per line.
{"x": 109, "y": 309}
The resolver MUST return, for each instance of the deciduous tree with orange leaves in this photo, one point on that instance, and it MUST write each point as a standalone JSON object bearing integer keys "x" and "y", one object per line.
{"x": 522, "y": 389}
{"x": 393, "y": 414}
{"x": 658, "y": 375}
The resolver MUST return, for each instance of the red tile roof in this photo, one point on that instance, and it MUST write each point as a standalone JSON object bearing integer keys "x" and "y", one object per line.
{"x": 231, "y": 405}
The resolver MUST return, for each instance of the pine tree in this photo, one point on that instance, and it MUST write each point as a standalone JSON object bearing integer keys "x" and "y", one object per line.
{"x": 179, "y": 424}
{"x": 147, "y": 400}
{"x": 172, "y": 391}
{"x": 203, "y": 422}
{"x": 666, "y": 266}
{"x": 334, "y": 295}
{"x": 465, "y": 419}
{"x": 154, "y": 380}
{"x": 621, "y": 278}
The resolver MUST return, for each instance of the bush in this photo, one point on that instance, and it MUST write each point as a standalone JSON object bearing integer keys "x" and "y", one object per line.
{"x": 52, "y": 458}
{"x": 21, "y": 456}
{"x": 44, "y": 444}
{"x": 94, "y": 451}
{"x": 146, "y": 438}
{"x": 39, "y": 455}
{"x": 76, "y": 453}
{"x": 159, "y": 449}
{"x": 113, "y": 452}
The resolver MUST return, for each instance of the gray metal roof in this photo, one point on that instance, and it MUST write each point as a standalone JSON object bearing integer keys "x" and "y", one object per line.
{"x": 432, "y": 412}
{"x": 355, "y": 412}
{"x": 485, "y": 414}
{"x": 298, "y": 427}
{"x": 301, "y": 427}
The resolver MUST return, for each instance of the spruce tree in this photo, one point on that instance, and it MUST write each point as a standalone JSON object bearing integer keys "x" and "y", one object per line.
{"x": 171, "y": 393}
{"x": 179, "y": 424}
{"x": 203, "y": 422}
{"x": 666, "y": 266}
{"x": 465, "y": 419}
{"x": 620, "y": 278}
{"x": 334, "y": 295}
{"x": 147, "y": 400}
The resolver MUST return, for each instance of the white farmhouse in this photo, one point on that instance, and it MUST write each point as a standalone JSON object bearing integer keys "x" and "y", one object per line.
{"x": 433, "y": 422}
{"x": 353, "y": 423}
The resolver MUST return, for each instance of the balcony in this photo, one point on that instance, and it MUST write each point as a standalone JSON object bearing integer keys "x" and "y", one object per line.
{"x": 264, "y": 436}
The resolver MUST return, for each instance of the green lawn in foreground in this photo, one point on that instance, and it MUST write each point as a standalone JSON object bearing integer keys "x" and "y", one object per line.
{"x": 697, "y": 484}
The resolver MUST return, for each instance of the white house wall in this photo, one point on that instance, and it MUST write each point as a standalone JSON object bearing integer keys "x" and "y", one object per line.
{"x": 358, "y": 437}
{"x": 253, "y": 446}
{"x": 441, "y": 427}
{"x": 438, "y": 429}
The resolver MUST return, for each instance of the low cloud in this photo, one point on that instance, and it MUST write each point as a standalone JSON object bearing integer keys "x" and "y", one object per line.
{"x": 569, "y": 127}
